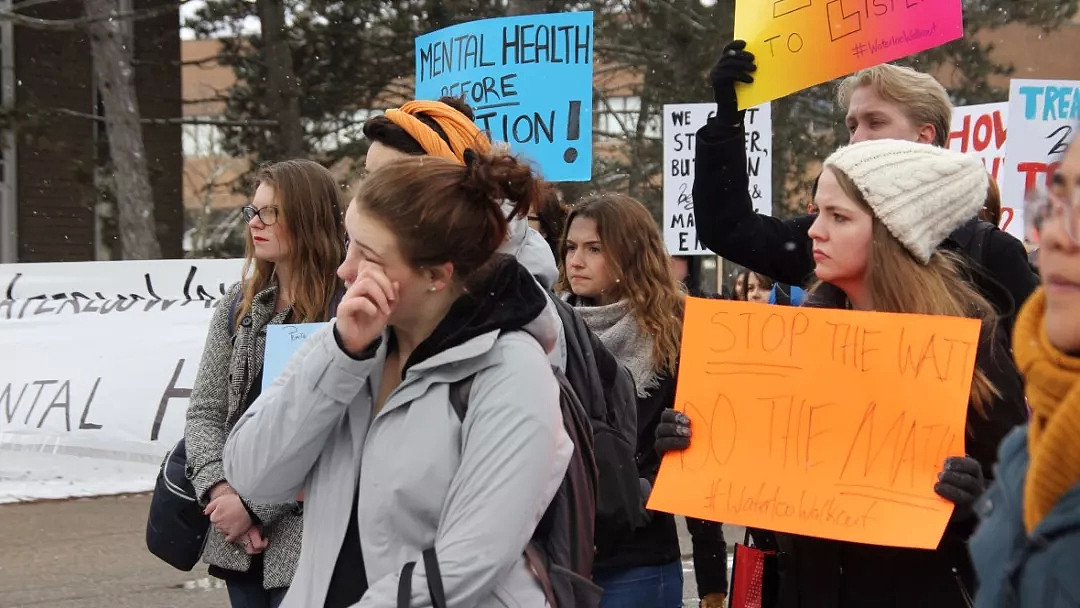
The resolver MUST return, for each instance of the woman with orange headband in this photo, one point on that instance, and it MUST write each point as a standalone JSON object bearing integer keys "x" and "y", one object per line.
{"x": 442, "y": 128}
{"x": 445, "y": 128}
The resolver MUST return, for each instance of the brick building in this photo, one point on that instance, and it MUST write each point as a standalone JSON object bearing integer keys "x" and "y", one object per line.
{"x": 50, "y": 208}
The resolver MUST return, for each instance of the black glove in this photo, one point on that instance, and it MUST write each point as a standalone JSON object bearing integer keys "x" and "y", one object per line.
{"x": 734, "y": 64}
{"x": 962, "y": 483}
{"x": 673, "y": 432}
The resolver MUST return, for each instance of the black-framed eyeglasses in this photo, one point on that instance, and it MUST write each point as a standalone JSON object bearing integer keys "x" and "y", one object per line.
{"x": 267, "y": 215}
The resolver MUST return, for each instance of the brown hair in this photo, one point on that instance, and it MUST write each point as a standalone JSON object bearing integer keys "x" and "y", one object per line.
{"x": 741, "y": 281}
{"x": 991, "y": 211}
{"x": 309, "y": 208}
{"x": 550, "y": 212}
{"x": 381, "y": 129}
{"x": 441, "y": 211}
{"x": 764, "y": 281}
{"x": 920, "y": 96}
{"x": 897, "y": 282}
{"x": 635, "y": 251}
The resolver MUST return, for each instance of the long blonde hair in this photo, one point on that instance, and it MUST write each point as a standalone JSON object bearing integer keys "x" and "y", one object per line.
{"x": 635, "y": 252}
{"x": 897, "y": 282}
{"x": 309, "y": 208}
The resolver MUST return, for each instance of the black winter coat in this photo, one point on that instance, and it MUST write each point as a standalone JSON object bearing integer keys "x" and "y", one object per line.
{"x": 606, "y": 389}
{"x": 781, "y": 249}
{"x": 657, "y": 543}
{"x": 819, "y": 573}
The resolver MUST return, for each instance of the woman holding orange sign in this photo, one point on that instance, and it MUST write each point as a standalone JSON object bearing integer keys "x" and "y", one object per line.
{"x": 885, "y": 206}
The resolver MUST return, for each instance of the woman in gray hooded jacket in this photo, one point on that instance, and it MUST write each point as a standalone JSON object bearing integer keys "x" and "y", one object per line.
{"x": 361, "y": 420}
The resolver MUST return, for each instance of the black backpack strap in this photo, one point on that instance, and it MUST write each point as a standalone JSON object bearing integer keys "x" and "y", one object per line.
{"x": 434, "y": 579}
{"x": 404, "y": 589}
{"x": 459, "y": 396}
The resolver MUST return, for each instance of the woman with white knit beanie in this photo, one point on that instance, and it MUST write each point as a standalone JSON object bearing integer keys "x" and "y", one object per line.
{"x": 885, "y": 206}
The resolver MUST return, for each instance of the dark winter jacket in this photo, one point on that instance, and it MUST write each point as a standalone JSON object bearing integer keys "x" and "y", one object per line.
{"x": 606, "y": 389}
{"x": 710, "y": 556}
{"x": 1017, "y": 569}
{"x": 781, "y": 249}
{"x": 819, "y": 573}
{"x": 656, "y": 543}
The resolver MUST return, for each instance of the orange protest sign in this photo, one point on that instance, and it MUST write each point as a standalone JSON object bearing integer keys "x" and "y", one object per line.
{"x": 828, "y": 423}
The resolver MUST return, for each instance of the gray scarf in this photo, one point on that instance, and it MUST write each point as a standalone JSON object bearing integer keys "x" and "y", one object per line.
{"x": 617, "y": 328}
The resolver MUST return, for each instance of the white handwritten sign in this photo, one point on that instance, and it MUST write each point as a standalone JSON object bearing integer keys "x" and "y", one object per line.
{"x": 681, "y": 123}
{"x": 1043, "y": 115}
{"x": 97, "y": 363}
{"x": 980, "y": 130}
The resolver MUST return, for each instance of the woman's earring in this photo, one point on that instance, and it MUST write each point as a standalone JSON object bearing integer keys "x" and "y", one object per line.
{"x": 431, "y": 289}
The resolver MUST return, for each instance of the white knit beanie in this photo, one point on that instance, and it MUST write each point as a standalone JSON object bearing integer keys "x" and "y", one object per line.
{"x": 920, "y": 192}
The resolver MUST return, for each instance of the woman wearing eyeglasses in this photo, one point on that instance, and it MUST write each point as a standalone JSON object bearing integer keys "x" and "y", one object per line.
{"x": 1027, "y": 547}
{"x": 294, "y": 245}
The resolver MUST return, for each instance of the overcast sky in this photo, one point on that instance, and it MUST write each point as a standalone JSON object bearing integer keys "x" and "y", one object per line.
{"x": 188, "y": 9}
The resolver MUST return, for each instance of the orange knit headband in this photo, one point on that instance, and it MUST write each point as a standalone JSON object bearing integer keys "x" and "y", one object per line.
{"x": 462, "y": 132}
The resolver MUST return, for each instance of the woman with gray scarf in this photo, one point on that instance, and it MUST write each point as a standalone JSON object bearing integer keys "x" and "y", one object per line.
{"x": 615, "y": 272}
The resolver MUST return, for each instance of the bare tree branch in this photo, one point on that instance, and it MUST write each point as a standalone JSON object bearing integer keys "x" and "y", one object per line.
{"x": 32, "y": 3}
{"x": 214, "y": 99}
{"x": 68, "y": 25}
{"x": 689, "y": 18}
{"x": 205, "y": 63}
{"x": 253, "y": 122}
{"x": 616, "y": 48}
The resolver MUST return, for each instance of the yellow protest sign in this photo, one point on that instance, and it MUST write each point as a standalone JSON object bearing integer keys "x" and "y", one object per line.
{"x": 801, "y": 43}
{"x": 828, "y": 423}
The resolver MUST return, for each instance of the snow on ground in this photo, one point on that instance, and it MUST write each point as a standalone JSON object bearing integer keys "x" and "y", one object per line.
{"x": 28, "y": 476}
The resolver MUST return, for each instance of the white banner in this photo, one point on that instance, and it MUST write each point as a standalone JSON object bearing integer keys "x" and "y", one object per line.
{"x": 97, "y": 361}
{"x": 980, "y": 130}
{"x": 1043, "y": 115}
{"x": 681, "y": 123}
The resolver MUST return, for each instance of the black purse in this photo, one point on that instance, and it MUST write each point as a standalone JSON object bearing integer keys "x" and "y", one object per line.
{"x": 176, "y": 528}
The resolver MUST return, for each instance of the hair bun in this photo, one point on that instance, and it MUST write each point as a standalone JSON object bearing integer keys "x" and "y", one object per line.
{"x": 497, "y": 178}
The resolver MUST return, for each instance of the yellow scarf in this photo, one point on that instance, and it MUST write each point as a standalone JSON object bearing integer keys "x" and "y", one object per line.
{"x": 1053, "y": 392}
{"x": 462, "y": 132}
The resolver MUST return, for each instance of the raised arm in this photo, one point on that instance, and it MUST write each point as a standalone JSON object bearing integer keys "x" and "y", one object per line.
{"x": 723, "y": 211}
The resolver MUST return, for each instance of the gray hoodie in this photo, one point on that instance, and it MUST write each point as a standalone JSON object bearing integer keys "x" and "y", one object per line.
{"x": 532, "y": 252}
{"x": 475, "y": 490}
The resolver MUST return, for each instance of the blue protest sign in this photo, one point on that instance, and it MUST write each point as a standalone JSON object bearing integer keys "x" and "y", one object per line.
{"x": 528, "y": 80}
{"x": 282, "y": 341}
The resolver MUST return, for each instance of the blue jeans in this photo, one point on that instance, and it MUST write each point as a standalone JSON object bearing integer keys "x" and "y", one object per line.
{"x": 252, "y": 595}
{"x": 644, "y": 587}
